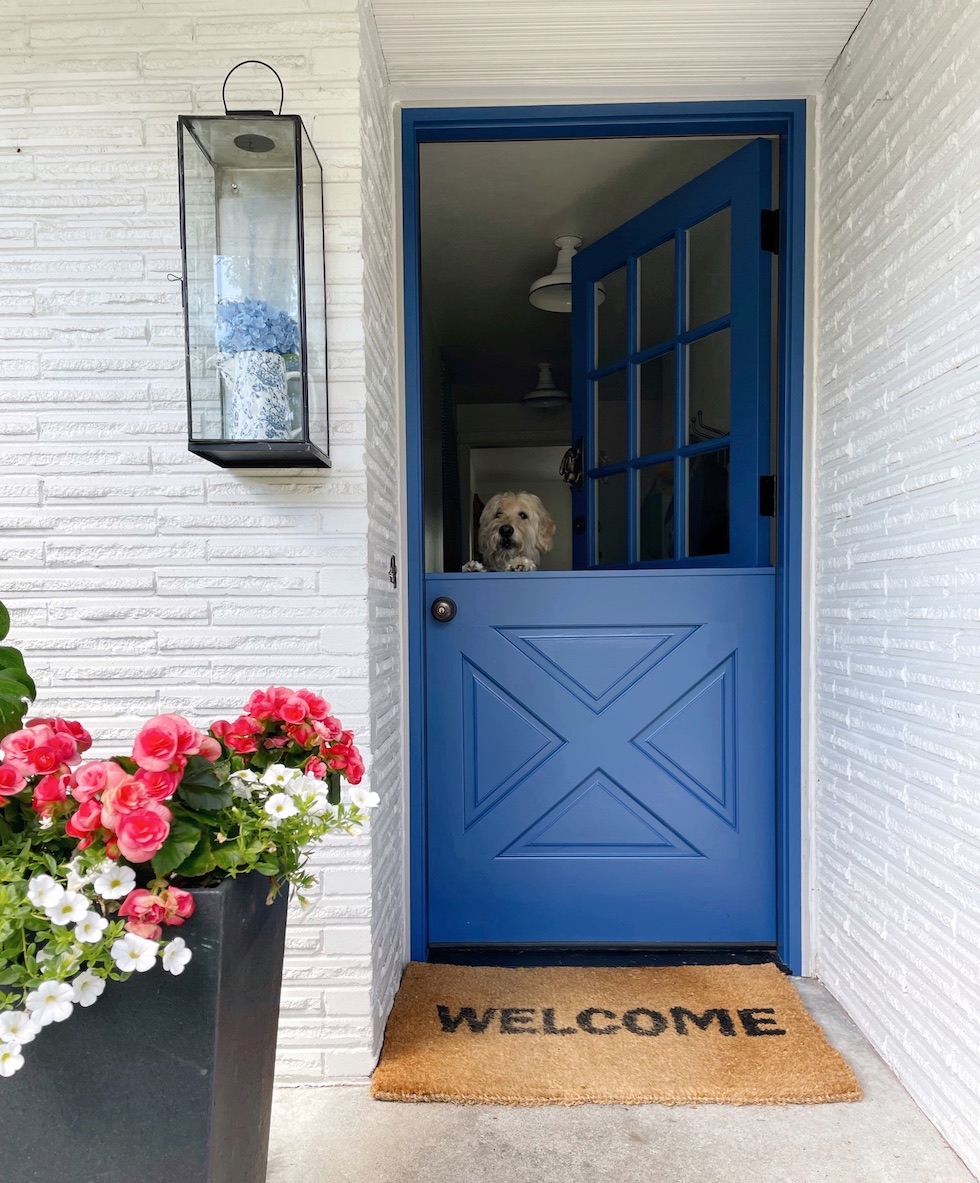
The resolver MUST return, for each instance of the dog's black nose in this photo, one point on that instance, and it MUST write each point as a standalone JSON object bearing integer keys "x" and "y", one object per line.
{"x": 506, "y": 531}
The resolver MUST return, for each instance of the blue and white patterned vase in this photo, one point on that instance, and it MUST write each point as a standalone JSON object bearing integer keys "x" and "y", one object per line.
{"x": 258, "y": 407}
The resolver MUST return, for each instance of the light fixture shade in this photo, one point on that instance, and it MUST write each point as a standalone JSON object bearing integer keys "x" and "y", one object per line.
{"x": 545, "y": 394}
{"x": 553, "y": 292}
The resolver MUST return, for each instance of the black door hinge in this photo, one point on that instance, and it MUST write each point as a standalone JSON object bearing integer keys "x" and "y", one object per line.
{"x": 767, "y": 496}
{"x": 393, "y": 572}
{"x": 769, "y": 231}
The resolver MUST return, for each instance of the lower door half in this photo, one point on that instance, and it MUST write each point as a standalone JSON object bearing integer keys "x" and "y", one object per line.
{"x": 601, "y": 758}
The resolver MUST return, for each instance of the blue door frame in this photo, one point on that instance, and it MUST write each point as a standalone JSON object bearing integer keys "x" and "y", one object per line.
{"x": 787, "y": 119}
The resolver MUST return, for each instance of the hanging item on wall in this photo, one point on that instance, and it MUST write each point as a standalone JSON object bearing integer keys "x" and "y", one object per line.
{"x": 254, "y": 287}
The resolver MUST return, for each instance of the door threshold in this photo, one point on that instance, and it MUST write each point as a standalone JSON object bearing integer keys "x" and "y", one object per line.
{"x": 605, "y": 955}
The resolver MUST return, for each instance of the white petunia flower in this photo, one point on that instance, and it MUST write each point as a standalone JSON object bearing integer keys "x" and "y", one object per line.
{"x": 11, "y": 1060}
{"x": 278, "y": 775}
{"x": 17, "y": 1026}
{"x": 134, "y": 953}
{"x": 90, "y": 928}
{"x": 114, "y": 881}
{"x": 246, "y": 775}
{"x": 87, "y": 987}
{"x": 363, "y": 798}
{"x": 279, "y": 806}
{"x": 77, "y": 878}
{"x": 45, "y": 822}
{"x": 175, "y": 956}
{"x": 69, "y": 909}
{"x": 43, "y": 891}
{"x": 51, "y": 1002}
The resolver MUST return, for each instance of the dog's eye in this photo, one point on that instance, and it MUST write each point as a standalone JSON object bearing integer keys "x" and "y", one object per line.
{"x": 523, "y": 515}
{"x": 497, "y": 514}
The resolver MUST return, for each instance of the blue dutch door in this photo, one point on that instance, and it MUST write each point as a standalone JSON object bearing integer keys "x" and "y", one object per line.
{"x": 601, "y": 741}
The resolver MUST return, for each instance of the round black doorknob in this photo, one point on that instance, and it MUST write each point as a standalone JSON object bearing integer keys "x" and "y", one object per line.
{"x": 443, "y": 609}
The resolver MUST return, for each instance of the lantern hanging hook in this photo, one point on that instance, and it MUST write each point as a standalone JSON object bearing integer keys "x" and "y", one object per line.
{"x": 253, "y": 62}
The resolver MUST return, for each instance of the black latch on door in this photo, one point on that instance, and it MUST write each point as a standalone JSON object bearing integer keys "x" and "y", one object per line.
{"x": 767, "y": 496}
{"x": 769, "y": 230}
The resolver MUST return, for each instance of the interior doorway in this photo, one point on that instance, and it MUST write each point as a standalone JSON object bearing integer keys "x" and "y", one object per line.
{"x": 655, "y": 412}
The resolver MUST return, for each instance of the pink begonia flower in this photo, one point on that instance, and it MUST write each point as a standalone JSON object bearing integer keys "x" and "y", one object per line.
{"x": 88, "y": 780}
{"x": 86, "y": 819}
{"x": 293, "y": 709}
{"x": 178, "y": 905}
{"x": 141, "y": 833}
{"x": 158, "y": 786}
{"x": 328, "y": 728}
{"x": 122, "y": 798}
{"x": 81, "y": 738}
{"x": 157, "y": 744}
{"x": 316, "y": 707}
{"x": 262, "y": 704}
{"x": 301, "y": 733}
{"x": 49, "y": 792}
{"x": 142, "y": 907}
{"x": 240, "y": 735}
{"x": 17, "y": 746}
{"x": 210, "y": 748}
{"x": 11, "y": 781}
{"x": 316, "y": 767}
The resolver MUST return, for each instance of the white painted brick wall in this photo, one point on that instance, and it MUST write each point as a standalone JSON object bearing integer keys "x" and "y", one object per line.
{"x": 897, "y": 535}
{"x": 142, "y": 579}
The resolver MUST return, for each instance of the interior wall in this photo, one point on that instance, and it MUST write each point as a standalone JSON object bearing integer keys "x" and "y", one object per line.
{"x": 897, "y": 594}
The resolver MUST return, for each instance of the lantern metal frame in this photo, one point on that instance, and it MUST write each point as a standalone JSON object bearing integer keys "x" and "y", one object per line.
{"x": 259, "y": 453}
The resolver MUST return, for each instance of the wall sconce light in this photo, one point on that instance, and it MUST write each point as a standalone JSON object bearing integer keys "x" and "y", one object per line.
{"x": 254, "y": 288}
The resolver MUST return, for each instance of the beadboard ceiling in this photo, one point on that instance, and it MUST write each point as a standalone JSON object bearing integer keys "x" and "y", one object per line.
{"x": 762, "y": 46}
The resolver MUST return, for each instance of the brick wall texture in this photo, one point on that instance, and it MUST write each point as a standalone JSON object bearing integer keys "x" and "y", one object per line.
{"x": 897, "y": 529}
{"x": 140, "y": 578}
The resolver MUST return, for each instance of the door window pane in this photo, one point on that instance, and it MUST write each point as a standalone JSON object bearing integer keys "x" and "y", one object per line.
{"x": 657, "y": 404}
{"x": 707, "y": 504}
{"x": 611, "y": 419}
{"x": 656, "y": 283}
{"x": 709, "y": 387}
{"x": 610, "y": 517}
{"x": 709, "y": 269}
{"x": 610, "y": 316}
{"x": 656, "y": 511}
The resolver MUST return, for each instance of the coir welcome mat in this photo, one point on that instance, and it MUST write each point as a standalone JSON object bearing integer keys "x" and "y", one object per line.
{"x": 736, "y": 1034}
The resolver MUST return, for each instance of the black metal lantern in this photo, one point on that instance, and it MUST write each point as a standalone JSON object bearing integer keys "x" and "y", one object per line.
{"x": 254, "y": 288}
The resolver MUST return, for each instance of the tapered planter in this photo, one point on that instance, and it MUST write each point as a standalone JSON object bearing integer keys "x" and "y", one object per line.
{"x": 165, "y": 1079}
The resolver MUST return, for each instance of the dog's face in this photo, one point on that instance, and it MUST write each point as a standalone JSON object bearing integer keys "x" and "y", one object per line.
{"x": 514, "y": 526}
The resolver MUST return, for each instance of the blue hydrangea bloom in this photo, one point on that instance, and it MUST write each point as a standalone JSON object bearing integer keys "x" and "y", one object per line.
{"x": 240, "y": 325}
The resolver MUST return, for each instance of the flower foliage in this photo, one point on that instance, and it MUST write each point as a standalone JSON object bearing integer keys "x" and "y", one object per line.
{"x": 96, "y": 856}
{"x": 241, "y": 325}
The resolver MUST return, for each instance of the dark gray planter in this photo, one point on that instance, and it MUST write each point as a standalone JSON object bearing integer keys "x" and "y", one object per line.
{"x": 165, "y": 1079}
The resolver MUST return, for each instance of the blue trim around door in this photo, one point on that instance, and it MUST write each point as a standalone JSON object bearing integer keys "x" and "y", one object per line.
{"x": 787, "y": 119}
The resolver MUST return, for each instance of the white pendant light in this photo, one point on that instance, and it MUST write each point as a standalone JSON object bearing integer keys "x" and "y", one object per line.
{"x": 545, "y": 394}
{"x": 553, "y": 292}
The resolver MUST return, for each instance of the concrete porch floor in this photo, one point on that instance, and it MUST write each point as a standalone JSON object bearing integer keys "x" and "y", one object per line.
{"x": 339, "y": 1135}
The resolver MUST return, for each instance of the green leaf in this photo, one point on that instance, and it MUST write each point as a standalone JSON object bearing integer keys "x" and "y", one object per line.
{"x": 181, "y": 841}
{"x": 200, "y": 788}
{"x": 199, "y": 861}
{"x": 228, "y": 857}
{"x": 205, "y": 799}
{"x": 4, "y": 622}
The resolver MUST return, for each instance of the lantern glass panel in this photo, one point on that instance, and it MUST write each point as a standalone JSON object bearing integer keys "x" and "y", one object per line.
{"x": 314, "y": 320}
{"x": 243, "y": 278}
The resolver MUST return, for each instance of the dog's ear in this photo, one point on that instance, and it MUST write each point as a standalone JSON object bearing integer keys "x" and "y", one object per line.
{"x": 546, "y": 534}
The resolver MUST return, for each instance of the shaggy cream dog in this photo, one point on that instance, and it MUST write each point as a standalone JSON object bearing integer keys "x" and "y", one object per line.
{"x": 515, "y": 530}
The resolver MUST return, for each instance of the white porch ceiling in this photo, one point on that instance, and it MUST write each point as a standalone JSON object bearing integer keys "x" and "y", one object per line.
{"x": 773, "y": 46}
